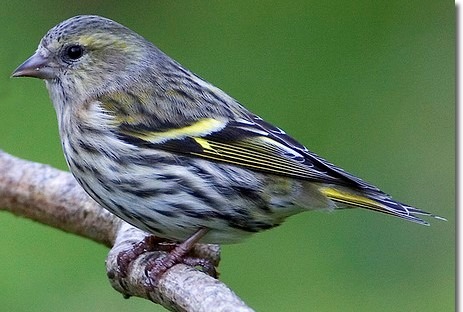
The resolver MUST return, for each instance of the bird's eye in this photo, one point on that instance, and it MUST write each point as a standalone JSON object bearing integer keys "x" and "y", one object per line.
{"x": 74, "y": 52}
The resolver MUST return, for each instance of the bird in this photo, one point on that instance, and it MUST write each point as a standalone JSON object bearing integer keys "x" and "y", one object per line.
{"x": 173, "y": 155}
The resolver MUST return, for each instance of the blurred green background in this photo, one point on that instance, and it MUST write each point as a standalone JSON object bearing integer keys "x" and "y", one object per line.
{"x": 369, "y": 85}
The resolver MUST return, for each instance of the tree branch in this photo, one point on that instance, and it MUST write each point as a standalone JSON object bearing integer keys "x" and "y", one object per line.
{"x": 53, "y": 197}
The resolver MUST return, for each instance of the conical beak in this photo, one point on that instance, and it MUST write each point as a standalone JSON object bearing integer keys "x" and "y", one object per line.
{"x": 36, "y": 66}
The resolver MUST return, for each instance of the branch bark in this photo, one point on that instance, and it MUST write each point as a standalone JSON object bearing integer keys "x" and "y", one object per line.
{"x": 53, "y": 197}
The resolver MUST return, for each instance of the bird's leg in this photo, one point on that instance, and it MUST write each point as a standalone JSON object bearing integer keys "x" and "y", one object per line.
{"x": 149, "y": 243}
{"x": 158, "y": 266}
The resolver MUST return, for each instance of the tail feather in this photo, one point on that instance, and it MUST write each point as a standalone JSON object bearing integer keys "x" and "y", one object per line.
{"x": 379, "y": 202}
{"x": 414, "y": 210}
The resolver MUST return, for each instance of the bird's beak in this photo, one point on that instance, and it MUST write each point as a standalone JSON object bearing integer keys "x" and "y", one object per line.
{"x": 36, "y": 66}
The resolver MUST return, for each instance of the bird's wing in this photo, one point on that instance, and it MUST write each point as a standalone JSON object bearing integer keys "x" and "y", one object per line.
{"x": 250, "y": 143}
{"x": 257, "y": 145}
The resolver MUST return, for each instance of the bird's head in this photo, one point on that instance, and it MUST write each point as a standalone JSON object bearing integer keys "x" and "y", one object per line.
{"x": 86, "y": 54}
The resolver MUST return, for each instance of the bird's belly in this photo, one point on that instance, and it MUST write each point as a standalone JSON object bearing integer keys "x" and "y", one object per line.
{"x": 172, "y": 196}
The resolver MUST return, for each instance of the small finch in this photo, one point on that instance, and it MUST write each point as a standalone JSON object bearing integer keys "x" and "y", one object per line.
{"x": 171, "y": 154}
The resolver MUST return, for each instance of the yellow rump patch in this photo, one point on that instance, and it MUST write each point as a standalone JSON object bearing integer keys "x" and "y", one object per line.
{"x": 351, "y": 199}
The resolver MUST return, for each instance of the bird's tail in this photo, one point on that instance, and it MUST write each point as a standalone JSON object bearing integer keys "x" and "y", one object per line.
{"x": 376, "y": 201}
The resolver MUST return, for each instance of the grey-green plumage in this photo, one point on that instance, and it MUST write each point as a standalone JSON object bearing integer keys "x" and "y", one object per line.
{"x": 170, "y": 153}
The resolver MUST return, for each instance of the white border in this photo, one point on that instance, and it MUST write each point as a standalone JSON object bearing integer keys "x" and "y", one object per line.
{"x": 459, "y": 115}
